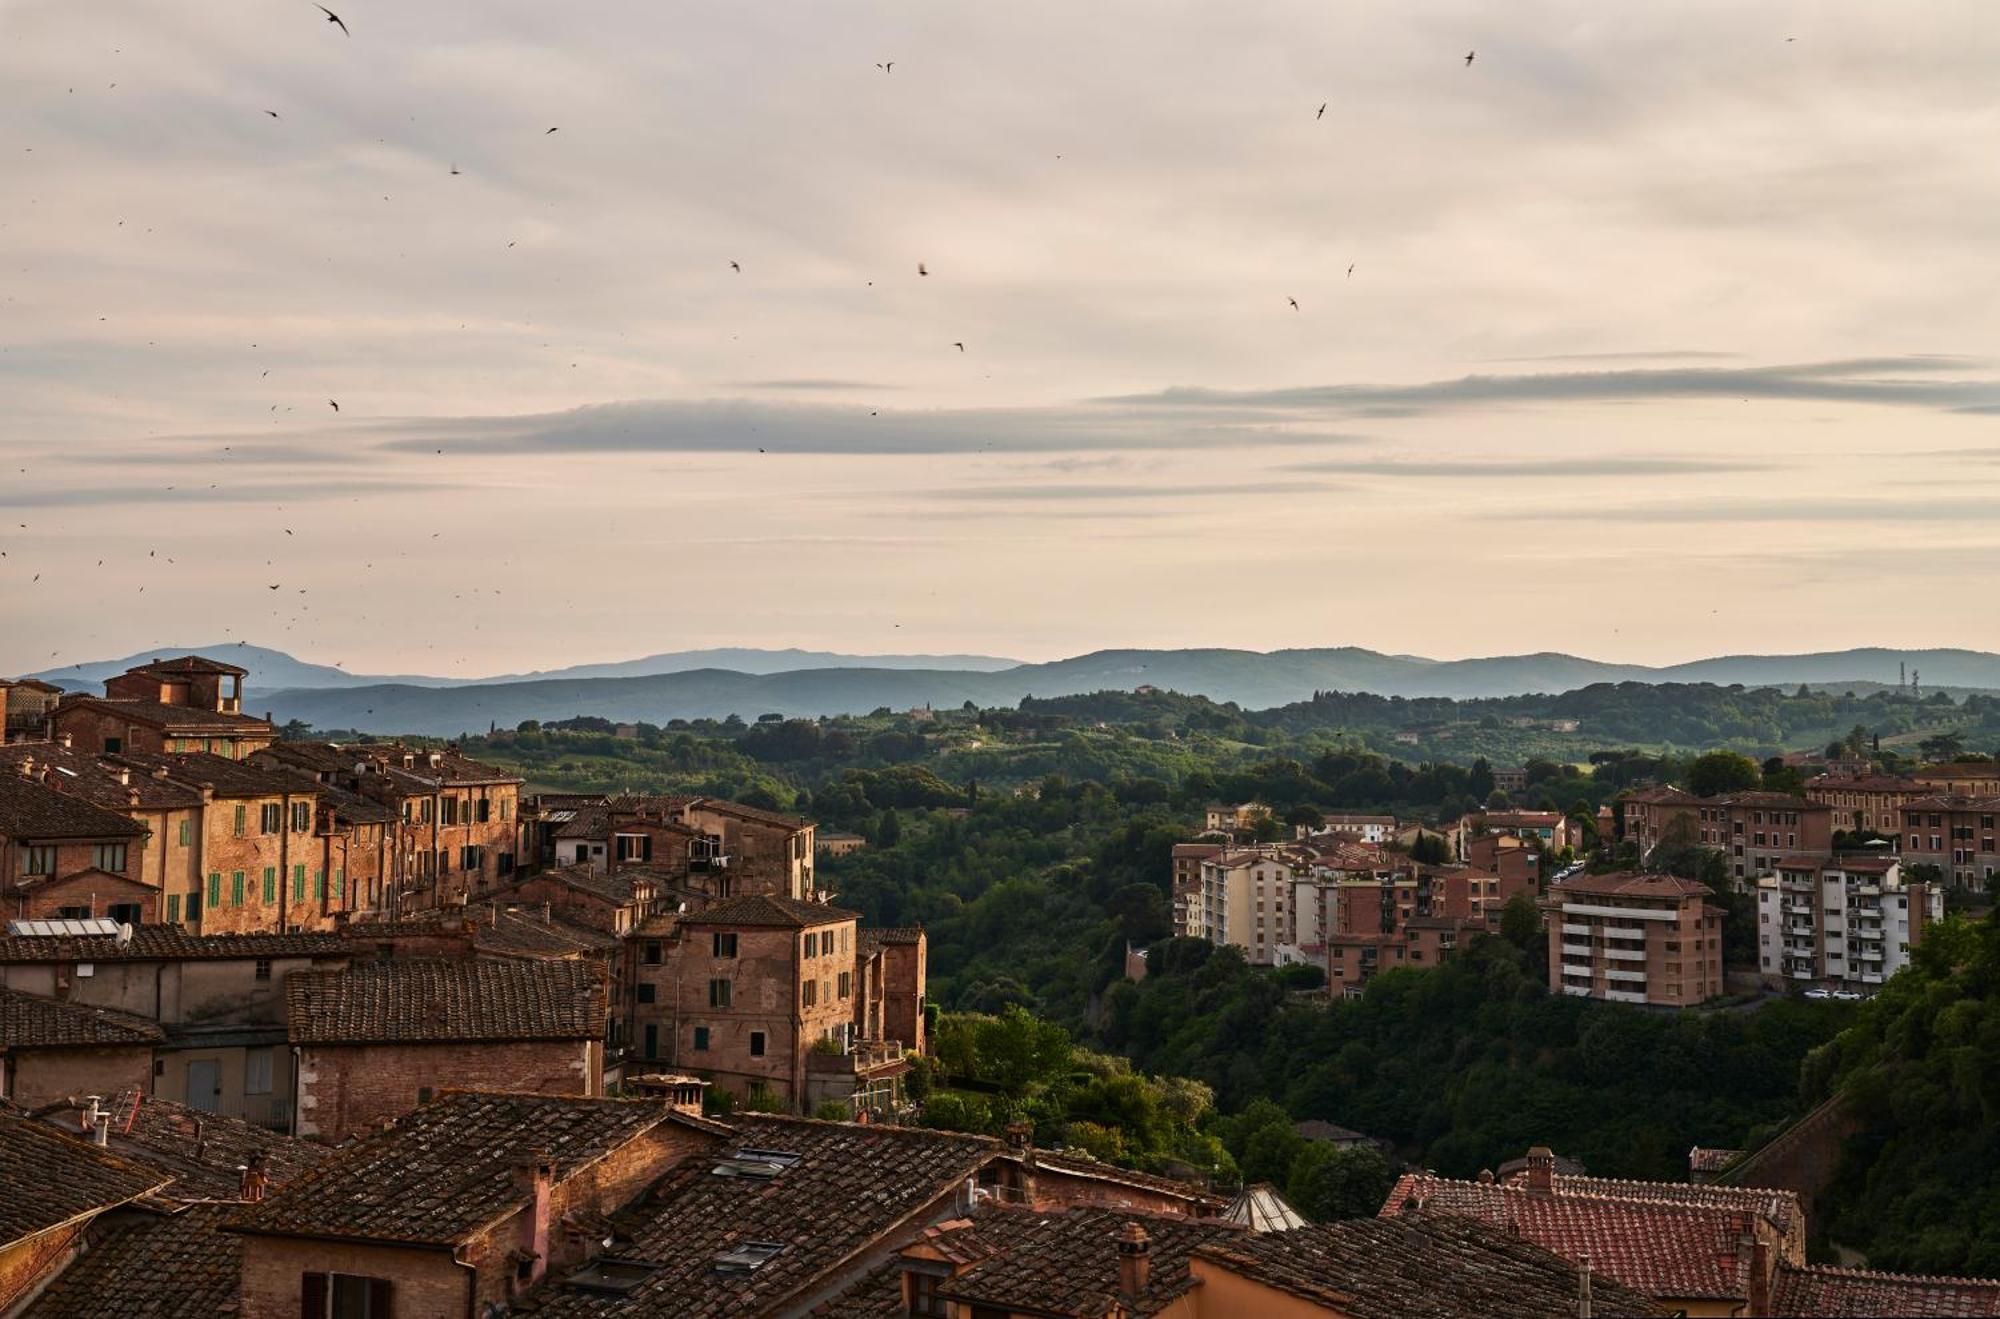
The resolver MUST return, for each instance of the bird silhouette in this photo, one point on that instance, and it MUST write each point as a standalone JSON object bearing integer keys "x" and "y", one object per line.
{"x": 733, "y": 266}
{"x": 273, "y": 113}
{"x": 335, "y": 406}
{"x": 959, "y": 346}
{"x": 1294, "y": 302}
{"x": 334, "y": 19}
{"x": 552, "y": 130}
{"x": 1468, "y": 57}
{"x": 454, "y": 167}
{"x": 887, "y": 68}
{"x": 921, "y": 270}
{"x": 1322, "y": 111}
{"x": 1350, "y": 270}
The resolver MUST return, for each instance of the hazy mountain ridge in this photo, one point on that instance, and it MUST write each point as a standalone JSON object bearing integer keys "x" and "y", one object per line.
{"x": 1249, "y": 678}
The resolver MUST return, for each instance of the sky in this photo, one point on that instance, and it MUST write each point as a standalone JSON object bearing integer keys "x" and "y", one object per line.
{"x": 1657, "y": 331}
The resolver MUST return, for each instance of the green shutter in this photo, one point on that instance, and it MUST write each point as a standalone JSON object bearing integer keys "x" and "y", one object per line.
{"x": 187, "y": 832}
{"x": 240, "y": 818}
{"x": 340, "y": 883}
{"x": 173, "y": 909}
{"x": 215, "y": 888}
{"x": 235, "y": 888}
{"x": 298, "y": 883}
{"x": 270, "y": 883}
{"x": 319, "y": 885}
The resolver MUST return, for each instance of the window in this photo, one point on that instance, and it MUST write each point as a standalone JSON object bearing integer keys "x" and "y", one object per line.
{"x": 302, "y": 817}
{"x": 298, "y": 883}
{"x": 271, "y": 818}
{"x": 113, "y": 745}
{"x": 506, "y": 863}
{"x": 718, "y": 993}
{"x": 270, "y": 883}
{"x": 756, "y": 1044}
{"x": 235, "y": 888}
{"x": 652, "y": 1041}
{"x": 343, "y": 1296}
{"x": 173, "y": 909}
{"x": 73, "y": 913}
{"x": 215, "y": 888}
{"x": 263, "y": 968}
{"x": 424, "y": 1094}
{"x": 700, "y": 1039}
{"x": 319, "y": 884}
{"x": 187, "y": 833}
{"x": 924, "y": 1298}
{"x": 125, "y": 913}
{"x": 846, "y": 986}
{"x": 257, "y": 1070}
{"x": 448, "y": 811}
{"x": 471, "y": 858}
{"x": 194, "y": 905}
{"x": 725, "y": 945}
{"x": 340, "y": 882}
{"x": 646, "y": 992}
{"x": 485, "y": 811}
{"x": 812, "y": 945}
{"x": 809, "y": 993}
{"x": 40, "y": 861}
{"x": 653, "y": 952}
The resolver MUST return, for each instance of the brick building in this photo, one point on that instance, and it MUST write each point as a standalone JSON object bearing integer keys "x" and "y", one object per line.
{"x": 1955, "y": 833}
{"x": 54, "y": 1187}
{"x": 50, "y": 1048}
{"x": 1973, "y": 778}
{"x": 1634, "y": 938}
{"x": 60, "y": 856}
{"x": 378, "y": 1039}
{"x": 25, "y": 705}
{"x": 218, "y": 999}
{"x": 1873, "y": 801}
{"x": 1753, "y": 830}
{"x": 1850, "y": 922}
{"x": 181, "y": 705}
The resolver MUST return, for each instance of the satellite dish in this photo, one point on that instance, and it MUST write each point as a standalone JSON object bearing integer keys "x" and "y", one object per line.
{"x": 683, "y": 909}
{"x": 124, "y": 934}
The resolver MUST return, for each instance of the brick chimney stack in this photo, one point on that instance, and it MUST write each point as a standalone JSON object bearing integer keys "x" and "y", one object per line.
{"x": 1541, "y": 1170}
{"x": 1135, "y": 1262}
{"x": 533, "y": 1178}
{"x": 251, "y": 1188}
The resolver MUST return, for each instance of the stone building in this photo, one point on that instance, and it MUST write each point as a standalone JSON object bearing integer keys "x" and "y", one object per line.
{"x": 62, "y": 857}
{"x": 378, "y": 1039}
{"x": 52, "y": 1187}
{"x": 50, "y": 1048}
{"x": 181, "y": 705}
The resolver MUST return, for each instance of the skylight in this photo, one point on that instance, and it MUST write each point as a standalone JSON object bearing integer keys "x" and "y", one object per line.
{"x": 747, "y": 1257}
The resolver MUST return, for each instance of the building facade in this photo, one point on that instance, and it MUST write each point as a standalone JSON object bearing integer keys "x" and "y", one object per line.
{"x": 1634, "y": 938}
{"x": 1849, "y": 923}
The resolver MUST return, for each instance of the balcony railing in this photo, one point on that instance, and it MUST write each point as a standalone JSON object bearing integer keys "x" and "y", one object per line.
{"x": 859, "y": 1058}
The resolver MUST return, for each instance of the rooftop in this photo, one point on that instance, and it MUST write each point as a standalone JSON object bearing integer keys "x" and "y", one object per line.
{"x": 32, "y": 811}
{"x": 186, "y": 665}
{"x": 1820, "y": 1292}
{"x": 846, "y": 1188}
{"x": 769, "y": 909}
{"x": 1629, "y": 885}
{"x": 152, "y": 1265}
{"x": 1067, "y": 1262}
{"x": 419, "y": 1001}
{"x": 203, "y": 1152}
{"x": 152, "y": 943}
{"x": 176, "y": 718}
{"x": 85, "y": 775}
{"x": 228, "y": 778}
{"x": 443, "y": 1172}
{"x": 754, "y": 814}
{"x": 55, "y": 1179}
{"x": 29, "y": 1021}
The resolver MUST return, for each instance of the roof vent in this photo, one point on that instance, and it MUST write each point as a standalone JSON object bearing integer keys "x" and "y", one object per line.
{"x": 747, "y": 1257}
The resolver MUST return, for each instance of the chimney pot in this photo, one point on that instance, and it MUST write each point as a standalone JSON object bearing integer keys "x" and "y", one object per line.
{"x": 1541, "y": 1169}
{"x": 1135, "y": 1264}
{"x": 251, "y": 1188}
{"x": 63, "y": 739}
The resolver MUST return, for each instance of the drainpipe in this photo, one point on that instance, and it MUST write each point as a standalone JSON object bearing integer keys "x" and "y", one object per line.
{"x": 292, "y": 1124}
{"x": 471, "y": 1283}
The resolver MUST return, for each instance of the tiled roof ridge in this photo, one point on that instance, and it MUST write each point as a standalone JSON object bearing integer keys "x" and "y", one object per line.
{"x": 1877, "y": 1275}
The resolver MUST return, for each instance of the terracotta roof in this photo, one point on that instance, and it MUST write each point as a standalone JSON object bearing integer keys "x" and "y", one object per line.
{"x": 1972, "y": 770}
{"x": 1781, "y": 800}
{"x": 203, "y": 1152}
{"x": 1702, "y": 1159}
{"x": 1953, "y": 801}
{"x": 29, "y": 1021}
{"x": 755, "y": 814}
{"x": 1819, "y": 1292}
{"x": 53, "y": 1179}
{"x": 85, "y": 775}
{"x": 523, "y": 932}
{"x": 229, "y": 778}
{"x": 1627, "y": 885}
{"x": 190, "y": 664}
{"x": 871, "y": 939}
{"x": 1079, "y": 1165}
{"x": 447, "y": 1170}
{"x": 419, "y": 1001}
{"x": 590, "y": 823}
{"x": 768, "y": 909}
{"x": 850, "y": 1185}
{"x": 616, "y": 889}
{"x": 1662, "y": 1245}
{"x": 1782, "y": 1208}
{"x": 1863, "y": 783}
{"x": 1422, "y": 1267}
{"x": 179, "y": 718}
{"x": 153, "y": 943}
{"x": 32, "y": 811}
{"x": 151, "y": 1265}
{"x": 452, "y": 769}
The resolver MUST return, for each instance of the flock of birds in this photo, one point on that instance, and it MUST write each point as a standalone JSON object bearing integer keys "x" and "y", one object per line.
{"x": 923, "y": 271}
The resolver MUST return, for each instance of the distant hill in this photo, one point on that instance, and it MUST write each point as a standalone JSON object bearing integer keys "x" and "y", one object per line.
{"x": 274, "y": 670}
{"x": 1249, "y": 678}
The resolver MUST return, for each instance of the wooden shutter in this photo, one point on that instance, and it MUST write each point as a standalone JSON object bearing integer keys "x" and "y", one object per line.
{"x": 378, "y": 1298}
{"x": 312, "y": 1295}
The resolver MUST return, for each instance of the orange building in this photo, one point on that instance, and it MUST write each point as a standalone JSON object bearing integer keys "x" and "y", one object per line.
{"x": 1634, "y": 939}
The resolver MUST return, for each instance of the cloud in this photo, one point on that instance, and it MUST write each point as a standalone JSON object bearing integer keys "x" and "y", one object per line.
{"x": 1531, "y": 467}
{"x": 1748, "y": 513}
{"x": 811, "y": 386}
{"x": 1034, "y": 494}
{"x": 1910, "y": 382}
{"x": 266, "y": 493}
{"x": 742, "y": 425}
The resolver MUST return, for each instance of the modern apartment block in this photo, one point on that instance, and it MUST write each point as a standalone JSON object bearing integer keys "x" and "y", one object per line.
{"x": 1850, "y": 923}
{"x": 1955, "y": 833}
{"x": 1243, "y": 897}
{"x": 1634, "y": 938}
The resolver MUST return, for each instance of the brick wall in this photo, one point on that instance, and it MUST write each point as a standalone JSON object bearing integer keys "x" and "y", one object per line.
{"x": 28, "y": 1265}
{"x": 40, "y": 1076}
{"x": 425, "y": 1284}
{"x": 344, "y": 1089}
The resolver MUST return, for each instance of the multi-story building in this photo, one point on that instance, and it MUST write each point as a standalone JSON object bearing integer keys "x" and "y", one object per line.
{"x": 1187, "y": 861}
{"x": 181, "y": 705}
{"x": 60, "y": 856}
{"x": 1548, "y": 828}
{"x": 1753, "y": 830}
{"x": 1974, "y": 778}
{"x": 1634, "y": 938}
{"x": 1849, "y": 922}
{"x": 1955, "y": 833}
{"x": 1219, "y": 817}
{"x": 1244, "y": 898}
{"x": 1377, "y": 829}
{"x": 25, "y": 705}
{"x": 721, "y": 846}
{"x": 1872, "y": 801}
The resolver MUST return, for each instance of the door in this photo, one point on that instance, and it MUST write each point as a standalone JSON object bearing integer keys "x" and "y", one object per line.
{"x": 205, "y": 1085}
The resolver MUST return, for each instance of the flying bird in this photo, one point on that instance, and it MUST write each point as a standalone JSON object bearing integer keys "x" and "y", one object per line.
{"x": 1468, "y": 57}
{"x": 1350, "y": 270}
{"x": 959, "y": 346}
{"x": 273, "y": 113}
{"x": 733, "y": 266}
{"x": 887, "y": 68}
{"x": 335, "y": 406}
{"x": 1322, "y": 111}
{"x": 1294, "y": 302}
{"x": 454, "y": 167}
{"x": 552, "y": 130}
{"x": 334, "y": 19}
{"x": 921, "y": 270}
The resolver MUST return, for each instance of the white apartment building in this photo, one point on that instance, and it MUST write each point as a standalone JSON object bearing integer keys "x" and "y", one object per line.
{"x": 1246, "y": 898}
{"x": 1850, "y": 922}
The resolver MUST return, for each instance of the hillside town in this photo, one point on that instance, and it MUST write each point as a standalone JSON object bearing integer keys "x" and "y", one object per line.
{"x": 366, "y": 1029}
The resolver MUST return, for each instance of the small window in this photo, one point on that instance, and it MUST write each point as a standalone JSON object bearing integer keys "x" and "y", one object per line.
{"x": 756, "y": 1044}
{"x": 257, "y": 1071}
{"x": 718, "y": 993}
{"x": 263, "y": 968}
{"x": 701, "y": 1039}
{"x": 113, "y": 745}
{"x": 424, "y": 1094}
{"x": 235, "y": 888}
{"x": 812, "y": 945}
{"x": 809, "y": 993}
{"x": 39, "y": 861}
{"x": 646, "y": 992}
{"x": 654, "y": 952}
{"x": 302, "y": 817}
{"x": 173, "y": 909}
{"x": 215, "y": 888}
{"x": 272, "y": 818}
{"x": 109, "y": 857}
{"x": 187, "y": 833}
{"x": 725, "y": 945}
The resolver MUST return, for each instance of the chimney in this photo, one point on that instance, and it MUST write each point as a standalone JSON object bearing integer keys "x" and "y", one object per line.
{"x": 251, "y": 1189}
{"x": 1760, "y": 1274}
{"x": 532, "y": 1178}
{"x": 1135, "y": 1263}
{"x": 27, "y": 767}
{"x": 124, "y": 776}
{"x": 1583, "y": 1287}
{"x": 1020, "y": 1136}
{"x": 1541, "y": 1170}
{"x": 63, "y": 740}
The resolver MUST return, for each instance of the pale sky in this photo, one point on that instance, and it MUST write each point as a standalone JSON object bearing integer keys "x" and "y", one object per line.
{"x": 1669, "y": 328}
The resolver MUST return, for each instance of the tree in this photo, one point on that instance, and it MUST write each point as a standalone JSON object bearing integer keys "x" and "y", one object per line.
{"x": 1480, "y": 781}
{"x": 1941, "y": 746}
{"x": 1326, "y": 1183}
{"x": 1521, "y": 923}
{"x": 1429, "y": 849}
{"x": 1718, "y": 772}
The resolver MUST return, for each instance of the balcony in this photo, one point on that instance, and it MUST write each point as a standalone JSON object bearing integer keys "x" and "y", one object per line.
{"x": 1620, "y": 973}
{"x": 1798, "y": 908}
{"x": 861, "y": 1059}
{"x": 710, "y": 861}
{"x": 1626, "y": 954}
{"x": 1581, "y": 972}
{"x": 1624, "y": 996}
{"x": 1571, "y": 927}
{"x": 1577, "y": 991}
